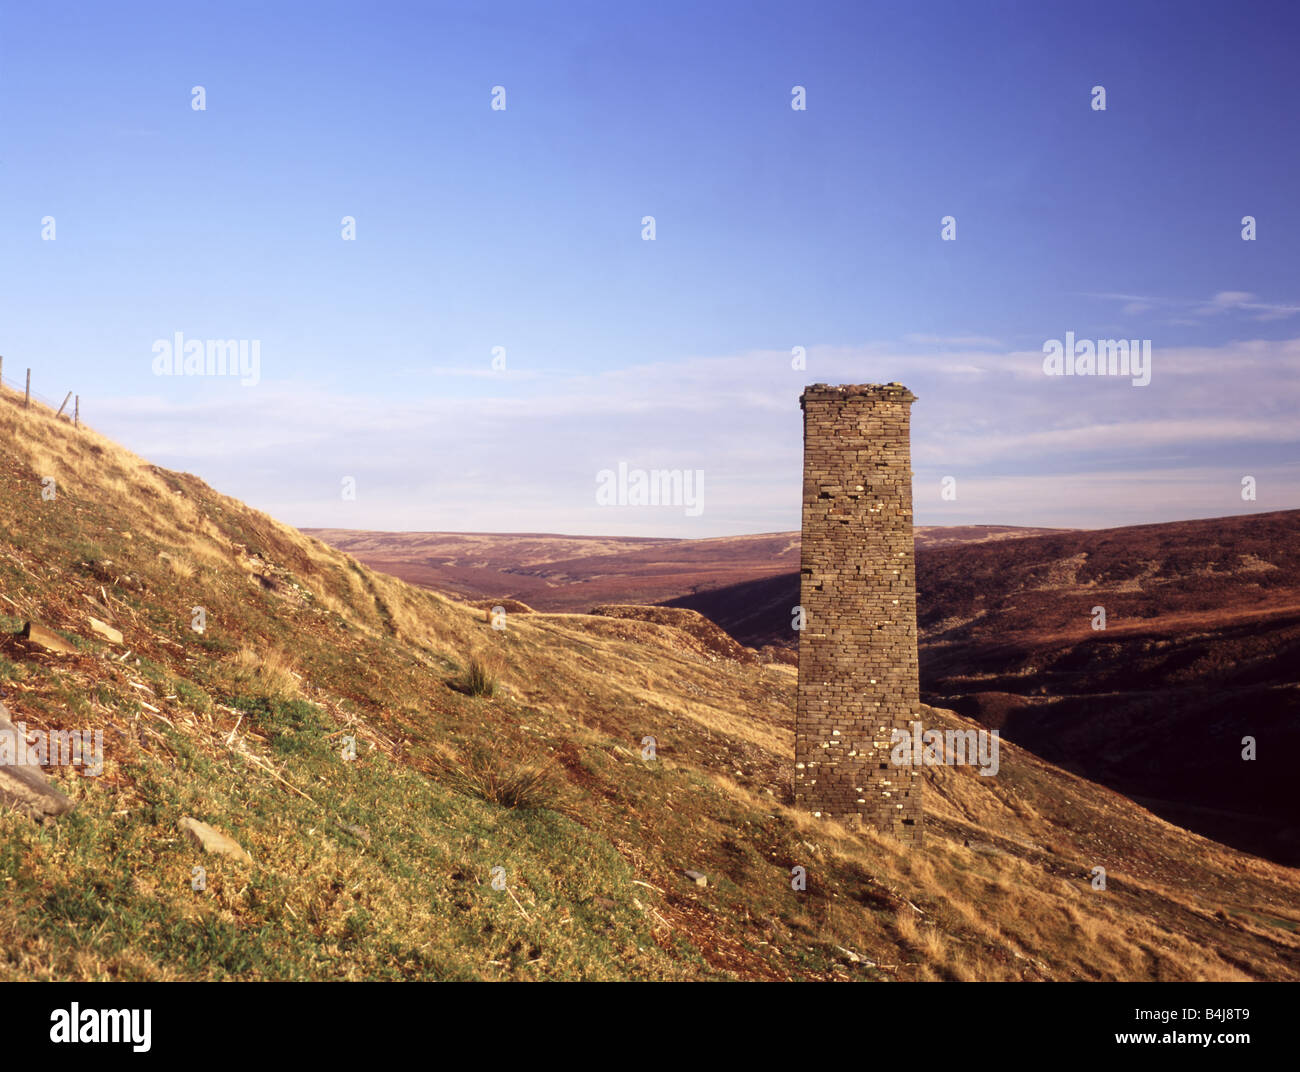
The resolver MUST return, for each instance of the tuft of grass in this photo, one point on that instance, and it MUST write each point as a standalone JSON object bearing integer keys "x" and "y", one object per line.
{"x": 523, "y": 786}
{"x": 480, "y": 679}
{"x": 267, "y": 674}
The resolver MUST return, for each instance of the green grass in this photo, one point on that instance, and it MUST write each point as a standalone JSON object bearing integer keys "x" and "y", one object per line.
{"x": 414, "y": 901}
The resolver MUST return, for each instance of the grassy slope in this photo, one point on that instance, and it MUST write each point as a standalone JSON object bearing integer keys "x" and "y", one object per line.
{"x": 381, "y": 867}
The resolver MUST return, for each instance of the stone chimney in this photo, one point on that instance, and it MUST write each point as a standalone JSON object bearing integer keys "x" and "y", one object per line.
{"x": 857, "y": 649}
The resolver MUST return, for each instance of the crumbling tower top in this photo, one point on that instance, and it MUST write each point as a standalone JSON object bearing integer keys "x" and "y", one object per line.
{"x": 877, "y": 392}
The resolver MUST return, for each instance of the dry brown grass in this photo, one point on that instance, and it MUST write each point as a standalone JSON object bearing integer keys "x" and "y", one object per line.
{"x": 181, "y": 566}
{"x": 267, "y": 673}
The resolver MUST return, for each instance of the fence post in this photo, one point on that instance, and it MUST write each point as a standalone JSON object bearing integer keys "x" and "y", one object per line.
{"x": 76, "y": 413}
{"x": 27, "y": 402}
{"x": 66, "y": 399}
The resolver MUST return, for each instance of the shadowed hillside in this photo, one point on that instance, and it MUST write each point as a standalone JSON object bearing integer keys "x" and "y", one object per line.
{"x": 1201, "y": 648}
{"x": 519, "y": 748}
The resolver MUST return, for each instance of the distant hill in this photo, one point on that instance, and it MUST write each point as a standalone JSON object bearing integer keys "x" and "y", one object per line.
{"x": 568, "y": 573}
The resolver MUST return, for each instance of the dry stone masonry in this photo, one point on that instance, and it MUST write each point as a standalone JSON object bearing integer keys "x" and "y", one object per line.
{"x": 857, "y": 649}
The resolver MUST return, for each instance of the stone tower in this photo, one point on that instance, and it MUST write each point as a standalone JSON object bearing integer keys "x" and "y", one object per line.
{"x": 857, "y": 649}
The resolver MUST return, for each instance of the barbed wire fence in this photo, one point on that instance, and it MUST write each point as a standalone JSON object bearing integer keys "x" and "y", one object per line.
{"x": 24, "y": 396}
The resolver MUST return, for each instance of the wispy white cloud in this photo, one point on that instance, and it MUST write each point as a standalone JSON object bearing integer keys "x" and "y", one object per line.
{"x": 1225, "y": 301}
{"x": 522, "y": 454}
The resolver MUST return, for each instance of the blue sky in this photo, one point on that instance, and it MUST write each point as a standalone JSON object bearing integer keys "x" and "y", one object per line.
{"x": 775, "y": 228}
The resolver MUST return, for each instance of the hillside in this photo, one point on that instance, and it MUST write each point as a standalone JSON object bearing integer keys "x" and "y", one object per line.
{"x": 1200, "y": 649}
{"x": 382, "y": 866}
